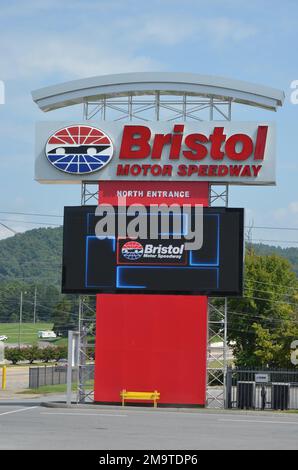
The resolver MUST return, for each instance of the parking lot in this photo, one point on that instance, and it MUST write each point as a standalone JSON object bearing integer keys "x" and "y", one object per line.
{"x": 27, "y": 425}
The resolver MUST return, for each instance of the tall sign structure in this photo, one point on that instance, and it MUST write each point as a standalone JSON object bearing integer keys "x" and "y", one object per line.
{"x": 166, "y": 137}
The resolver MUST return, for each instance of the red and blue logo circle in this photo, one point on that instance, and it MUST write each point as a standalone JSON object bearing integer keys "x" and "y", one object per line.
{"x": 79, "y": 149}
{"x": 132, "y": 250}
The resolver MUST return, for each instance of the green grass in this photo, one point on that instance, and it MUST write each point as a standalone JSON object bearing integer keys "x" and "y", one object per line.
{"x": 28, "y": 331}
{"x": 216, "y": 339}
{"x": 59, "y": 341}
{"x": 61, "y": 388}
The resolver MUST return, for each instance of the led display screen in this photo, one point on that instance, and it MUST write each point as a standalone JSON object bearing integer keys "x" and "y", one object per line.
{"x": 118, "y": 264}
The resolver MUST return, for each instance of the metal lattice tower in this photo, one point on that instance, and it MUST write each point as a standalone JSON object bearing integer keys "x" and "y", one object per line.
{"x": 163, "y": 96}
{"x": 171, "y": 108}
{"x": 217, "y": 326}
{"x": 86, "y": 329}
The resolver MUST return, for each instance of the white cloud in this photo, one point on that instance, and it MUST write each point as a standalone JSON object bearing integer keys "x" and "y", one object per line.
{"x": 170, "y": 30}
{"x": 68, "y": 58}
{"x": 94, "y": 46}
{"x": 293, "y": 206}
{"x": 282, "y": 213}
{"x": 225, "y": 29}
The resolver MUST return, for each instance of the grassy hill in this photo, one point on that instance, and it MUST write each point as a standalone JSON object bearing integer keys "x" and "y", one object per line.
{"x": 31, "y": 263}
{"x": 33, "y": 256}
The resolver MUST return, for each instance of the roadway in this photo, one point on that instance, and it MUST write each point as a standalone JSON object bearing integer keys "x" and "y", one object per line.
{"x": 26, "y": 425}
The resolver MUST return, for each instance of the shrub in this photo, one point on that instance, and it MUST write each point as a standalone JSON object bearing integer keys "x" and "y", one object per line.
{"x": 60, "y": 353}
{"x": 32, "y": 353}
{"x": 48, "y": 354}
{"x": 14, "y": 355}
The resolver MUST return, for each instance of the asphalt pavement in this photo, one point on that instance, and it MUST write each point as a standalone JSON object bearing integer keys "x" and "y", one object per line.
{"x": 25, "y": 424}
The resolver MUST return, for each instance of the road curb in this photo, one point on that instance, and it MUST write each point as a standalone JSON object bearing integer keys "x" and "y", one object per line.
{"x": 94, "y": 406}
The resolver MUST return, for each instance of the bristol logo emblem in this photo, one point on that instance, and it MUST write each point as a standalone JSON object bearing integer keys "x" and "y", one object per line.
{"x": 79, "y": 149}
{"x": 132, "y": 250}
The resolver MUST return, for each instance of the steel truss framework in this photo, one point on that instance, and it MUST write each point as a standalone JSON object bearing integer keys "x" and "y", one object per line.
{"x": 217, "y": 349}
{"x": 160, "y": 107}
{"x": 86, "y": 329}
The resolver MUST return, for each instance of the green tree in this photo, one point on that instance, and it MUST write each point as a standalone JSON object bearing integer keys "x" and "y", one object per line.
{"x": 264, "y": 322}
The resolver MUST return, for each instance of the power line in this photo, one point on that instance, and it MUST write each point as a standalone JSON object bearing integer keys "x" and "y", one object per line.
{"x": 271, "y": 319}
{"x": 9, "y": 228}
{"x": 270, "y": 283}
{"x": 29, "y": 222}
{"x": 274, "y": 301}
{"x": 31, "y": 213}
{"x": 269, "y": 292}
{"x": 272, "y": 241}
{"x": 272, "y": 228}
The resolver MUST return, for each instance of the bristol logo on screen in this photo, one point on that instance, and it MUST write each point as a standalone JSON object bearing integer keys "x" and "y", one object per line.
{"x": 132, "y": 250}
{"x": 79, "y": 149}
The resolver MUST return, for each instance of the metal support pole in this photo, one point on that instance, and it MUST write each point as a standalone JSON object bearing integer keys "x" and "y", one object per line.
{"x": 21, "y": 317}
{"x": 211, "y": 110}
{"x": 69, "y": 367}
{"x": 34, "y": 305}
{"x": 82, "y": 366}
{"x": 104, "y": 104}
{"x": 184, "y": 106}
{"x": 72, "y": 361}
{"x": 225, "y": 343}
{"x": 130, "y": 107}
{"x": 157, "y": 105}
{"x": 80, "y": 314}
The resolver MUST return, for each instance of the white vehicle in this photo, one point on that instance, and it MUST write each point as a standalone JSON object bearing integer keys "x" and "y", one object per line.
{"x": 45, "y": 334}
{"x": 3, "y": 338}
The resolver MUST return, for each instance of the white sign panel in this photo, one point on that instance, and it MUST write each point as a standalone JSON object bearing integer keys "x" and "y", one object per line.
{"x": 262, "y": 378}
{"x": 216, "y": 151}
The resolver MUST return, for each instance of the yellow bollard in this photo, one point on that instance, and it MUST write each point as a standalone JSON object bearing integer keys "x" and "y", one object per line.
{"x": 3, "y": 377}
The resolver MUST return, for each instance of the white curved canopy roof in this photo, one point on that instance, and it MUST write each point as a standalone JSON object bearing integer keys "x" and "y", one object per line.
{"x": 148, "y": 83}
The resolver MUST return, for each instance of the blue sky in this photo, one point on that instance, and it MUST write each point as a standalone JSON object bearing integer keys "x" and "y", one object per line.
{"x": 43, "y": 42}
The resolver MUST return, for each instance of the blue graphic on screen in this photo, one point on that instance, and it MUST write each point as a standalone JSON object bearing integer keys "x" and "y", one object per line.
{"x": 202, "y": 265}
{"x": 209, "y": 255}
{"x": 100, "y": 251}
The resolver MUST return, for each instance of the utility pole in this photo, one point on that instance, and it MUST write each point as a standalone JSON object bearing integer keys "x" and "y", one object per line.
{"x": 34, "y": 305}
{"x": 20, "y": 319}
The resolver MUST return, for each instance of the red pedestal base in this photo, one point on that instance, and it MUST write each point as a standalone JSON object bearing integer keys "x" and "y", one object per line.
{"x": 151, "y": 342}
